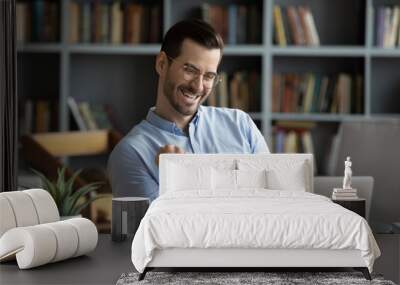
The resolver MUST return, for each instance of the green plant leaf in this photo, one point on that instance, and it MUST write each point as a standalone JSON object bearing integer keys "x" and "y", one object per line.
{"x": 77, "y": 210}
{"x": 62, "y": 192}
{"x": 81, "y": 192}
{"x": 66, "y": 207}
{"x": 48, "y": 185}
{"x": 70, "y": 184}
{"x": 61, "y": 184}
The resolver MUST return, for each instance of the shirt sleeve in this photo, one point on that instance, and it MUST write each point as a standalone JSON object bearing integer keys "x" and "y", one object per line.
{"x": 256, "y": 139}
{"x": 129, "y": 176}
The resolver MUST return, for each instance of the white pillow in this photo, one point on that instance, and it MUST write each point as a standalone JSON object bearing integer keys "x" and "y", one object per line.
{"x": 223, "y": 179}
{"x": 228, "y": 179}
{"x": 290, "y": 178}
{"x": 281, "y": 174}
{"x": 251, "y": 178}
{"x": 182, "y": 177}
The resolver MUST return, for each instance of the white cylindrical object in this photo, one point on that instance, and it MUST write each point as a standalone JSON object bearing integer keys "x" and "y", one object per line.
{"x": 45, "y": 206}
{"x": 67, "y": 240}
{"x": 34, "y": 246}
{"x": 87, "y": 235}
{"x": 7, "y": 217}
{"x": 23, "y": 207}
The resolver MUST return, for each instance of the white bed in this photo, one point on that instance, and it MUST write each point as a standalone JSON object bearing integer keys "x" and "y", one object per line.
{"x": 247, "y": 211}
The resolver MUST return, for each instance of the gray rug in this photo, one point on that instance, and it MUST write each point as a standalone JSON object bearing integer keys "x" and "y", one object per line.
{"x": 229, "y": 278}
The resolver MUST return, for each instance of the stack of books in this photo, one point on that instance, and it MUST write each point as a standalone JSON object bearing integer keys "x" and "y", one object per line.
{"x": 317, "y": 93}
{"x": 295, "y": 26}
{"x": 114, "y": 22}
{"x": 388, "y": 26}
{"x": 344, "y": 194}
{"x": 240, "y": 90}
{"x": 236, "y": 23}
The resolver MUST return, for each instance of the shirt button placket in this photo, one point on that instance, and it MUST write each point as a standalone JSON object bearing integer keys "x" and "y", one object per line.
{"x": 192, "y": 140}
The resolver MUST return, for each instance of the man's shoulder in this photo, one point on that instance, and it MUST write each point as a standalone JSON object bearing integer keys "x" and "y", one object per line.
{"x": 222, "y": 112}
{"x": 135, "y": 138}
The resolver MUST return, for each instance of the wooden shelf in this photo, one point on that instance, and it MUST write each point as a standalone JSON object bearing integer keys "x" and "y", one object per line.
{"x": 385, "y": 52}
{"x": 335, "y": 51}
{"x": 124, "y": 49}
{"x": 39, "y": 47}
{"x": 244, "y": 50}
{"x": 317, "y": 117}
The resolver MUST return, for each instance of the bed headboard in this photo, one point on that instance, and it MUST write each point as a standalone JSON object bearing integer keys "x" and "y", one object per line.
{"x": 278, "y": 162}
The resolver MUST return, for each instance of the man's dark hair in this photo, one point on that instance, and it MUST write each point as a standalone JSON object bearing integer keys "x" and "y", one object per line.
{"x": 194, "y": 29}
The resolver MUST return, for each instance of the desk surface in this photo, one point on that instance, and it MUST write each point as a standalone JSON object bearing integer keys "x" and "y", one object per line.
{"x": 102, "y": 266}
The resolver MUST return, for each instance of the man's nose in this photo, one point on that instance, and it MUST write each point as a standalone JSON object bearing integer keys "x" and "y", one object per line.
{"x": 197, "y": 84}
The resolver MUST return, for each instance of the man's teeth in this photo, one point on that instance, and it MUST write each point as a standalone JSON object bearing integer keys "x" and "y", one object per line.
{"x": 191, "y": 96}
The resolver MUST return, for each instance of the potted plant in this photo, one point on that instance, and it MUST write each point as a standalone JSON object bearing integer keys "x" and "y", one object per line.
{"x": 69, "y": 202}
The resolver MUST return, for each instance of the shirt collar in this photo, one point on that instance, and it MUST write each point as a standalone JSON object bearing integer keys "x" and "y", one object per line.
{"x": 169, "y": 126}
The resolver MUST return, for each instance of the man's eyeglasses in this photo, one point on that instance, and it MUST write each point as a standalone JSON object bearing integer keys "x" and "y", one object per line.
{"x": 191, "y": 73}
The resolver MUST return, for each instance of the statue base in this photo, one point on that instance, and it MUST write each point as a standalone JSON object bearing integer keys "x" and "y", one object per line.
{"x": 350, "y": 190}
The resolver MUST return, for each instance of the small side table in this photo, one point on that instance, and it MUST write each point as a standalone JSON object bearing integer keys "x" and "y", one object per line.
{"x": 355, "y": 205}
{"x": 127, "y": 212}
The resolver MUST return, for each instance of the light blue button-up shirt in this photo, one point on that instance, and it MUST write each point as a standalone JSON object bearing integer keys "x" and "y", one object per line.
{"x": 132, "y": 168}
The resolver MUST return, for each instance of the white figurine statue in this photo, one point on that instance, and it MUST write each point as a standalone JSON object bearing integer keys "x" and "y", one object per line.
{"x": 347, "y": 174}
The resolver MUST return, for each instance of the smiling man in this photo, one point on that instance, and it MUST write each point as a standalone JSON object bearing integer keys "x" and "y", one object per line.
{"x": 187, "y": 68}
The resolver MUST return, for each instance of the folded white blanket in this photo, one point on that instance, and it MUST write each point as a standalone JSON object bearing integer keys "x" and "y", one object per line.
{"x": 252, "y": 218}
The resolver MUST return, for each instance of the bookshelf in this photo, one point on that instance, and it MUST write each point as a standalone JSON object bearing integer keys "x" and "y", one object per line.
{"x": 123, "y": 74}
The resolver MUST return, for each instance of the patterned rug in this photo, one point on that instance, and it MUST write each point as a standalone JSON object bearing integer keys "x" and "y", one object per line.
{"x": 269, "y": 278}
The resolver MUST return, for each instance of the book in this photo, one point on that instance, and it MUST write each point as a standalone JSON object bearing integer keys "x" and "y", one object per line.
{"x": 84, "y": 110}
{"x": 316, "y": 93}
{"x": 74, "y": 12}
{"x": 305, "y": 25}
{"x": 344, "y": 93}
{"x": 73, "y": 107}
{"x": 241, "y": 27}
{"x": 42, "y": 116}
{"x": 85, "y": 21}
{"x": 311, "y": 27}
{"x": 394, "y": 26}
{"x": 50, "y": 21}
{"x": 309, "y": 93}
{"x": 339, "y": 197}
{"x": 96, "y": 22}
{"x": 398, "y": 28}
{"x": 104, "y": 23}
{"x": 276, "y": 94}
{"x": 135, "y": 14}
{"x": 291, "y": 145}
{"x": 232, "y": 18}
{"x": 22, "y": 13}
{"x": 279, "y": 29}
{"x": 386, "y": 25}
{"x": 155, "y": 26}
{"x": 343, "y": 191}
{"x": 223, "y": 90}
{"x": 295, "y": 26}
{"x": 380, "y": 26}
{"x": 37, "y": 20}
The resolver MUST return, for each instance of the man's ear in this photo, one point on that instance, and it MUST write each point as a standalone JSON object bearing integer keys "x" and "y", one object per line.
{"x": 161, "y": 63}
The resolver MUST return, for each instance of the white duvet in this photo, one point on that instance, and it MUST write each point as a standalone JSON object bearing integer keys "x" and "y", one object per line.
{"x": 252, "y": 218}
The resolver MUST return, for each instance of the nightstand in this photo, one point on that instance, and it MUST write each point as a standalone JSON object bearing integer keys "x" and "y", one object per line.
{"x": 355, "y": 205}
